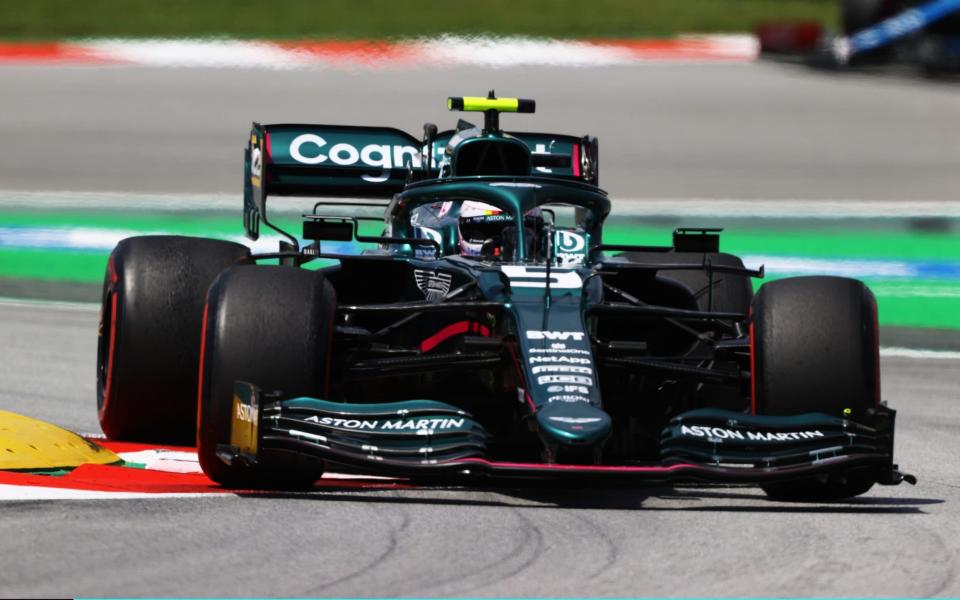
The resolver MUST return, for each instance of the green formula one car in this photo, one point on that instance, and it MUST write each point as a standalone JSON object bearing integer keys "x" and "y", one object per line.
{"x": 487, "y": 334}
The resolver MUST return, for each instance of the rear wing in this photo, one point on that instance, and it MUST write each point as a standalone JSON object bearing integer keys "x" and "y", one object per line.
{"x": 374, "y": 162}
{"x": 323, "y": 160}
{"x": 552, "y": 154}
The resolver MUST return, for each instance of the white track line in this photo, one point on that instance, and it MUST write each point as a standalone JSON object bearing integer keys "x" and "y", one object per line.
{"x": 50, "y": 304}
{"x": 27, "y": 492}
{"x": 898, "y": 352}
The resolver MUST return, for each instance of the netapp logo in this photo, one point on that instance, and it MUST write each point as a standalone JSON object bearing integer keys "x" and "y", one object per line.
{"x": 573, "y": 360}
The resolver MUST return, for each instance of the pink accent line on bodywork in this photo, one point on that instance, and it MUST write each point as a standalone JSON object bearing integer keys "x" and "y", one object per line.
{"x": 586, "y": 468}
{"x": 451, "y": 330}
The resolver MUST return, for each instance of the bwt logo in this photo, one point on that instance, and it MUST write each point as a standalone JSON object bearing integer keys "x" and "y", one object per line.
{"x": 308, "y": 148}
{"x": 561, "y": 336}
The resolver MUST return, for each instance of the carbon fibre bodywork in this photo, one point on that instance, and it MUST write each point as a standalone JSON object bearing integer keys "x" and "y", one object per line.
{"x": 551, "y": 355}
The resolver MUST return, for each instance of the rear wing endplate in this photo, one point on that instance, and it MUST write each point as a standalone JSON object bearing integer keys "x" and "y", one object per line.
{"x": 323, "y": 160}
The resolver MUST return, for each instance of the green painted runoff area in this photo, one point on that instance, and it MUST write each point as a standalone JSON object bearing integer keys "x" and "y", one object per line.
{"x": 811, "y": 242}
{"x": 927, "y": 302}
{"x": 389, "y": 19}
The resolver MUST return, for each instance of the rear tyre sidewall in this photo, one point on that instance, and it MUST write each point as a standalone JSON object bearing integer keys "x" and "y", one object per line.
{"x": 815, "y": 350}
{"x": 149, "y": 334}
{"x": 270, "y": 326}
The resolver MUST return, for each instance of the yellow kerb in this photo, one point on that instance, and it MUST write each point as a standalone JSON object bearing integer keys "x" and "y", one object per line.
{"x": 27, "y": 443}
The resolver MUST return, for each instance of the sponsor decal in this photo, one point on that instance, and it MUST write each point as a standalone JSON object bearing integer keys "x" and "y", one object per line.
{"x": 568, "y": 398}
{"x": 542, "y": 149}
{"x": 426, "y": 233}
{"x": 563, "y": 350}
{"x": 246, "y": 413}
{"x": 311, "y": 149}
{"x": 722, "y": 433}
{"x": 570, "y": 248}
{"x": 570, "y": 389}
{"x": 421, "y": 426}
{"x": 570, "y": 360}
{"x": 555, "y": 335}
{"x": 562, "y": 369}
{"x": 345, "y": 423}
{"x": 433, "y": 284}
{"x": 784, "y": 436}
{"x": 536, "y": 277}
{"x": 568, "y": 241}
{"x": 576, "y": 420}
{"x": 567, "y": 259}
{"x": 256, "y": 161}
{"x": 577, "y": 379}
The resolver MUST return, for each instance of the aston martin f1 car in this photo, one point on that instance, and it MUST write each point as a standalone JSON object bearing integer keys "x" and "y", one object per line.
{"x": 486, "y": 332}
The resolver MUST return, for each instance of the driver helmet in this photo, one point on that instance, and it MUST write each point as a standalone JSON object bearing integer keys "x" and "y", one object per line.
{"x": 481, "y": 224}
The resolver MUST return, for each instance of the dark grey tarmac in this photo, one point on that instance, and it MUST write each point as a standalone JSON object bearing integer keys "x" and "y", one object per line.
{"x": 713, "y": 541}
{"x": 765, "y": 131}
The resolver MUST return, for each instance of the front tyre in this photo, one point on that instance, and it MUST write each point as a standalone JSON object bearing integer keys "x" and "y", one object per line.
{"x": 815, "y": 349}
{"x": 149, "y": 334}
{"x": 270, "y": 326}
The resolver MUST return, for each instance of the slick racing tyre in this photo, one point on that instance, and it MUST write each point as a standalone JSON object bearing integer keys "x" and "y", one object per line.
{"x": 731, "y": 292}
{"x": 149, "y": 335}
{"x": 814, "y": 349}
{"x": 270, "y": 326}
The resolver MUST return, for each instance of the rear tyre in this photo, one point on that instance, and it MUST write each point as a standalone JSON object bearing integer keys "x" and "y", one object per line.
{"x": 270, "y": 326}
{"x": 814, "y": 349}
{"x": 149, "y": 335}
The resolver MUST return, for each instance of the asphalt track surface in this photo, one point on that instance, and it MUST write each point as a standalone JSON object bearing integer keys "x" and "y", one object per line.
{"x": 761, "y": 131}
{"x": 895, "y": 541}
{"x": 723, "y": 131}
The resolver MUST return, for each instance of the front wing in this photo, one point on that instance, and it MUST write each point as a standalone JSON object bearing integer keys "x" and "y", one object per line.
{"x": 425, "y": 438}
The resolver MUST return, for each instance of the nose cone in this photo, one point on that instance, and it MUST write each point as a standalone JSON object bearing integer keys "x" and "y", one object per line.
{"x": 574, "y": 423}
